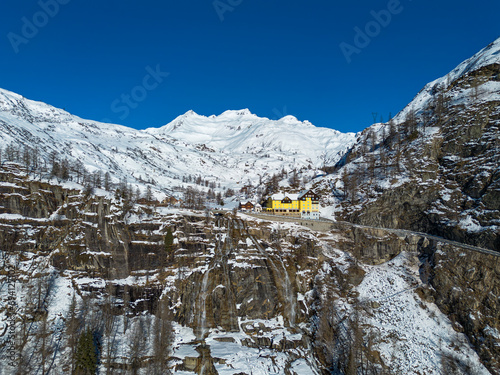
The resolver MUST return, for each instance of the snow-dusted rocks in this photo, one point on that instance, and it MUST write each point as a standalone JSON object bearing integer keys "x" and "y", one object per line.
{"x": 434, "y": 167}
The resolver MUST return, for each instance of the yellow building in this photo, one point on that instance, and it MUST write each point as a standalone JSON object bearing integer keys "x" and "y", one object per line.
{"x": 304, "y": 205}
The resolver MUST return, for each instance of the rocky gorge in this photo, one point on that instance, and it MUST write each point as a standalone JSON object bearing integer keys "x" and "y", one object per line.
{"x": 235, "y": 294}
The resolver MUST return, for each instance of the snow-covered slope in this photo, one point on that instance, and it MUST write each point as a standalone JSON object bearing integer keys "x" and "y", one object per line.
{"x": 243, "y": 132}
{"x": 434, "y": 167}
{"x": 233, "y": 149}
{"x": 487, "y": 56}
{"x": 426, "y": 338}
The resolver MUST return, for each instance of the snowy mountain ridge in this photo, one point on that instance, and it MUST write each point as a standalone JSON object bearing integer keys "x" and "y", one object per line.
{"x": 487, "y": 56}
{"x": 242, "y": 131}
{"x": 437, "y": 160}
{"x": 234, "y": 148}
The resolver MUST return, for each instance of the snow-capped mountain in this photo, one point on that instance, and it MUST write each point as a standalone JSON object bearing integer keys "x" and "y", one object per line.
{"x": 489, "y": 91}
{"x": 240, "y": 132}
{"x": 234, "y": 149}
{"x": 434, "y": 167}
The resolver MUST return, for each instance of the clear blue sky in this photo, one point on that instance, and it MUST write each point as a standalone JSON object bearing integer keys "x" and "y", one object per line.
{"x": 274, "y": 57}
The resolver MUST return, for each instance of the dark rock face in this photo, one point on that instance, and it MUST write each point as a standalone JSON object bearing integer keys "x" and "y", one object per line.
{"x": 467, "y": 289}
{"x": 30, "y": 198}
{"x": 215, "y": 274}
{"x": 373, "y": 246}
{"x": 452, "y": 182}
{"x": 465, "y": 284}
{"x": 240, "y": 280}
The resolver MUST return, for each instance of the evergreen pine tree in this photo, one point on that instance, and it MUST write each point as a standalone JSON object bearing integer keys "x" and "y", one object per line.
{"x": 169, "y": 241}
{"x": 72, "y": 328}
{"x": 86, "y": 354}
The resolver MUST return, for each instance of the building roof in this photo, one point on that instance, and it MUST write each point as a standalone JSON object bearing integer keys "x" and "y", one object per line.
{"x": 281, "y": 196}
{"x": 293, "y": 197}
{"x": 304, "y": 192}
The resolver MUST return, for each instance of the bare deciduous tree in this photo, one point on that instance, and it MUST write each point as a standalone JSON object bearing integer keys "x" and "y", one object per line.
{"x": 137, "y": 346}
{"x": 110, "y": 330}
{"x": 163, "y": 337}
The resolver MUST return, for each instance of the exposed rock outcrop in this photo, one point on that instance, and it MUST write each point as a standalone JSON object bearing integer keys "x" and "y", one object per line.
{"x": 434, "y": 168}
{"x": 273, "y": 288}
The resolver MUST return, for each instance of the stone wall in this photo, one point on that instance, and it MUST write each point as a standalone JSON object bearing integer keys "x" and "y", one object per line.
{"x": 317, "y": 225}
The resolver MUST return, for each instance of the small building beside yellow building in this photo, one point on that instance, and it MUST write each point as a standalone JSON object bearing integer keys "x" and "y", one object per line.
{"x": 304, "y": 205}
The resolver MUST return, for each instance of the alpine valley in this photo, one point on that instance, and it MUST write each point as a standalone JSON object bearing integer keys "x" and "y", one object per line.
{"x": 123, "y": 252}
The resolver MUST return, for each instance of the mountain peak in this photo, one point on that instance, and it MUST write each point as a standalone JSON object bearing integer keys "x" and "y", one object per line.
{"x": 31, "y": 109}
{"x": 289, "y": 119}
{"x": 190, "y": 113}
{"x": 489, "y": 55}
{"x": 234, "y": 113}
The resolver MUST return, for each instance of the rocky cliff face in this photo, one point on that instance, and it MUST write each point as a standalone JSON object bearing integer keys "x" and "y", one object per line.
{"x": 222, "y": 280}
{"x": 451, "y": 188}
{"x": 466, "y": 287}
{"x": 242, "y": 295}
{"x": 433, "y": 168}
{"x": 463, "y": 283}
